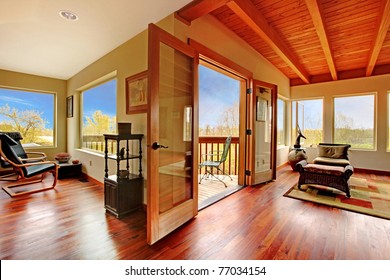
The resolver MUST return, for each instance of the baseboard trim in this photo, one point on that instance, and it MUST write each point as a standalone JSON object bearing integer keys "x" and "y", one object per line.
{"x": 372, "y": 171}
{"x": 89, "y": 178}
{"x": 282, "y": 165}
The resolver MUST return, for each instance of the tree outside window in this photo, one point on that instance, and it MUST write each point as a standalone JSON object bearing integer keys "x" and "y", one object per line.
{"x": 354, "y": 121}
{"x": 30, "y": 113}
{"x": 98, "y": 114}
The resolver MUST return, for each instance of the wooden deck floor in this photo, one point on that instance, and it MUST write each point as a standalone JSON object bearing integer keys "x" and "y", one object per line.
{"x": 212, "y": 190}
{"x": 253, "y": 223}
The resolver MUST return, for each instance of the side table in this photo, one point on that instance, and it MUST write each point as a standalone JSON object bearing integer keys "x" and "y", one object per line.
{"x": 69, "y": 170}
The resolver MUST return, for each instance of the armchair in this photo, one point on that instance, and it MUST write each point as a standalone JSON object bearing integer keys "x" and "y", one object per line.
{"x": 25, "y": 172}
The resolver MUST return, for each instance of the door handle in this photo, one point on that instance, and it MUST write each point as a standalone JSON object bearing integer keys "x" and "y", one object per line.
{"x": 156, "y": 146}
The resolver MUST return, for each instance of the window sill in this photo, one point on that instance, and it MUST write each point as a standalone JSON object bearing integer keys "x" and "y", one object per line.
{"x": 90, "y": 152}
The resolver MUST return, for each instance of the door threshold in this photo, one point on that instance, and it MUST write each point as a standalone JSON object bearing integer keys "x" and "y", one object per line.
{"x": 213, "y": 199}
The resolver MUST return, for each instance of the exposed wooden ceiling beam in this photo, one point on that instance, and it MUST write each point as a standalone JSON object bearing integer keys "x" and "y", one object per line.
{"x": 382, "y": 28}
{"x": 248, "y": 12}
{"x": 198, "y": 8}
{"x": 316, "y": 12}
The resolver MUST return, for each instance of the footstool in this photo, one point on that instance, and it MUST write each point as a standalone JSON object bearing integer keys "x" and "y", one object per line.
{"x": 331, "y": 176}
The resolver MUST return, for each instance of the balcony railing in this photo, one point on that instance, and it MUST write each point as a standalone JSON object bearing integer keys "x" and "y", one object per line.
{"x": 207, "y": 145}
{"x": 96, "y": 142}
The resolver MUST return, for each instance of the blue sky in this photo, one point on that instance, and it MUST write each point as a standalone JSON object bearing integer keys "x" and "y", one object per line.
{"x": 102, "y": 97}
{"x": 217, "y": 92}
{"x": 25, "y": 100}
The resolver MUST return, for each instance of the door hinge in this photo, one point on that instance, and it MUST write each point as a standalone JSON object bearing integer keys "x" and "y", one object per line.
{"x": 248, "y": 91}
{"x": 249, "y": 132}
{"x": 248, "y": 172}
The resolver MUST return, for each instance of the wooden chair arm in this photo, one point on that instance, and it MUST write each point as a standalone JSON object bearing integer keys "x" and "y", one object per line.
{"x": 36, "y": 153}
{"x": 37, "y": 157}
{"x": 34, "y": 163}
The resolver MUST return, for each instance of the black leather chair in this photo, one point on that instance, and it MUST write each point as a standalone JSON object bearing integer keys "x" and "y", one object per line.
{"x": 22, "y": 154}
{"x": 25, "y": 171}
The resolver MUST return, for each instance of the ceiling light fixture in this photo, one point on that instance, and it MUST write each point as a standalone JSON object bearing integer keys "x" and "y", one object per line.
{"x": 68, "y": 15}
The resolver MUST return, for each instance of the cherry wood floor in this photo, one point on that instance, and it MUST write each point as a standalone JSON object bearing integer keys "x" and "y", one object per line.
{"x": 254, "y": 223}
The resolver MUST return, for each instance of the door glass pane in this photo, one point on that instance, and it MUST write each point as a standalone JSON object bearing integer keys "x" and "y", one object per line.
{"x": 263, "y": 130}
{"x": 175, "y": 101}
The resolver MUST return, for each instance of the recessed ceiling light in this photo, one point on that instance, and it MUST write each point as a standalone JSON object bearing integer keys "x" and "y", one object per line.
{"x": 68, "y": 15}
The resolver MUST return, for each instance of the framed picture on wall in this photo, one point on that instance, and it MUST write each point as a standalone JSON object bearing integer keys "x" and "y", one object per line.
{"x": 261, "y": 109}
{"x": 136, "y": 93}
{"x": 69, "y": 106}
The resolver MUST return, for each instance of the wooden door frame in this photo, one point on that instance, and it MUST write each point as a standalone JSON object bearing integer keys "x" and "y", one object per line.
{"x": 189, "y": 208}
{"x": 235, "y": 69}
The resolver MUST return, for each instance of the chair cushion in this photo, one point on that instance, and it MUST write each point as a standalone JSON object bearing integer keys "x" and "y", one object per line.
{"x": 331, "y": 161}
{"x": 336, "y": 152}
{"x": 38, "y": 169}
{"x": 324, "y": 169}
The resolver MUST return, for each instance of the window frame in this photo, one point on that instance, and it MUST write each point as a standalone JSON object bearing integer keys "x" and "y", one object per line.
{"x": 55, "y": 117}
{"x": 375, "y": 95}
{"x": 292, "y": 117}
{"x": 285, "y": 121}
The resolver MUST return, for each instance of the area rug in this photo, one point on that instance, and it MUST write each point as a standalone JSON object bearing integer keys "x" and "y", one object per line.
{"x": 370, "y": 197}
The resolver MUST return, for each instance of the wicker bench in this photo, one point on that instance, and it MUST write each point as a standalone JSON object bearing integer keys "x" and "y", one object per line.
{"x": 332, "y": 176}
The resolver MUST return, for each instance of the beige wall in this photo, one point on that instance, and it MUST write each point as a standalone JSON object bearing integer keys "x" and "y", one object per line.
{"x": 376, "y": 160}
{"x": 37, "y": 83}
{"x": 126, "y": 60}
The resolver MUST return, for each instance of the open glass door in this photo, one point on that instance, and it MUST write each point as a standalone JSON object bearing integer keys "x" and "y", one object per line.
{"x": 172, "y": 112}
{"x": 263, "y": 159}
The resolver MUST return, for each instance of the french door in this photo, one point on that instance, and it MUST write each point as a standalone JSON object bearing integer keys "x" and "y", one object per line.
{"x": 263, "y": 155}
{"x": 172, "y": 188}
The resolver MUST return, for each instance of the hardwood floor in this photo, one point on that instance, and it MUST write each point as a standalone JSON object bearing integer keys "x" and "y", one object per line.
{"x": 254, "y": 223}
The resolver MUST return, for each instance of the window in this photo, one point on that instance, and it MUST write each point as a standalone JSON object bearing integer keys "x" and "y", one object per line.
{"x": 30, "y": 113}
{"x": 354, "y": 120}
{"x": 281, "y": 136}
{"x": 98, "y": 114}
{"x": 308, "y": 115}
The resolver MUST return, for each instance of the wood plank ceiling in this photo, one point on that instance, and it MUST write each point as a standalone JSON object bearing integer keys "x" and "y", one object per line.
{"x": 309, "y": 41}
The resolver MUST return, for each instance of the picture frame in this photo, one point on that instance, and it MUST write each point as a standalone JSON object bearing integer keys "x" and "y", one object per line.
{"x": 137, "y": 93}
{"x": 261, "y": 109}
{"x": 69, "y": 106}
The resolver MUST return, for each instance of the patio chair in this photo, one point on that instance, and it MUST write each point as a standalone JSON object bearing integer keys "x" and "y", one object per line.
{"x": 26, "y": 172}
{"x": 22, "y": 154}
{"x": 212, "y": 164}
